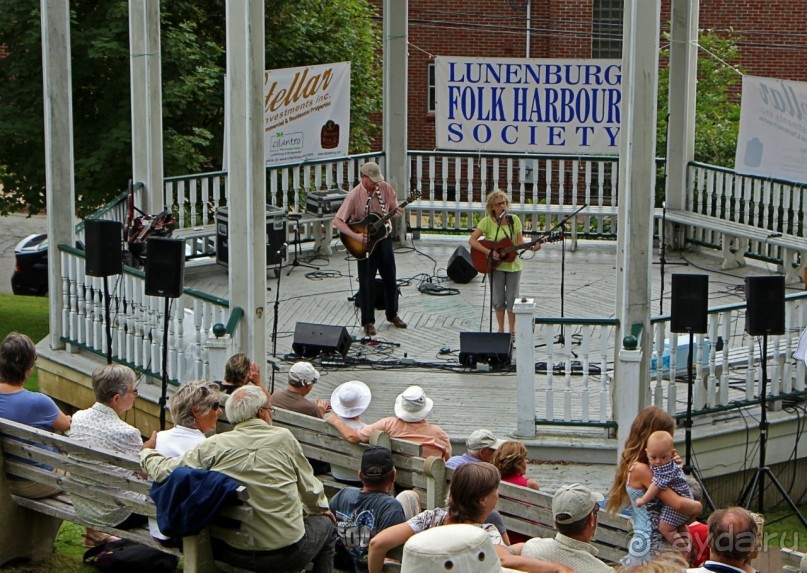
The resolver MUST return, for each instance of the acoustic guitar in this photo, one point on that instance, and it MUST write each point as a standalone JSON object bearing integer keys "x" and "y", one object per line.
{"x": 374, "y": 228}
{"x": 507, "y": 251}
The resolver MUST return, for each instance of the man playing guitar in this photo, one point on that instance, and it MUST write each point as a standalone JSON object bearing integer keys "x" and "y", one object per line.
{"x": 504, "y": 277}
{"x": 372, "y": 195}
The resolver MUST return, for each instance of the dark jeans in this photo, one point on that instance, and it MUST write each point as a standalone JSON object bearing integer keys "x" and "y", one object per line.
{"x": 382, "y": 260}
{"x": 316, "y": 546}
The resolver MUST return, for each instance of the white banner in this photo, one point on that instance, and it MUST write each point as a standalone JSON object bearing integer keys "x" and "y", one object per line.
{"x": 773, "y": 129}
{"x": 528, "y": 105}
{"x": 306, "y": 112}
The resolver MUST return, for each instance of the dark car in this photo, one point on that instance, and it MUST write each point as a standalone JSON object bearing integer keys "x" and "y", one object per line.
{"x": 31, "y": 270}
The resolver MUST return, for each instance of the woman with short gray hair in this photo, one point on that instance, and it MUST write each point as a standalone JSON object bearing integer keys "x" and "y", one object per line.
{"x": 100, "y": 426}
{"x": 195, "y": 409}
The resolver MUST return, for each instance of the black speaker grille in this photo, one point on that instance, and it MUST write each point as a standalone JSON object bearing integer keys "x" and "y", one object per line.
{"x": 689, "y": 303}
{"x": 460, "y": 268}
{"x": 765, "y": 312}
{"x": 102, "y": 240}
{"x": 493, "y": 348}
{"x": 312, "y": 339}
{"x": 165, "y": 267}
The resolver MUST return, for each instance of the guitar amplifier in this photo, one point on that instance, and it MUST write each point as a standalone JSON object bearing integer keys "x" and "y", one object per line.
{"x": 324, "y": 202}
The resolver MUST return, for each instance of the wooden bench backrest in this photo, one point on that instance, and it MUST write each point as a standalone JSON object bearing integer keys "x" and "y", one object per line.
{"x": 322, "y": 441}
{"x": 529, "y": 512}
{"x": 793, "y": 561}
{"x": 99, "y": 474}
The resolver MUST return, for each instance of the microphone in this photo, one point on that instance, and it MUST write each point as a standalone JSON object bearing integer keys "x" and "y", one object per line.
{"x": 502, "y": 216}
{"x": 281, "y": 253}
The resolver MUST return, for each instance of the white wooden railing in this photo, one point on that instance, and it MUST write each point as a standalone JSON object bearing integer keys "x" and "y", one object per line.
{"x": 773, "y": 204}
{"x": 137, "y": 320}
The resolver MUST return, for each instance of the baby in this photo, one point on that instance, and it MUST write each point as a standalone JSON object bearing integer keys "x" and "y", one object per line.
{"x": 666, "y": 473}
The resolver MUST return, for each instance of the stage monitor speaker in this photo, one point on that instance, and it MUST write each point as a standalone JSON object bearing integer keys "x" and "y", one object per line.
{"x": 460, "y": 268}
{"x": 103, "y": 247}
{"x": 689, "y": 304}
{"x": 312, "y": 339}
{"x": 765, "y": 297}
{"x": 493, "y": 348}
{"x": 165, "y": 267}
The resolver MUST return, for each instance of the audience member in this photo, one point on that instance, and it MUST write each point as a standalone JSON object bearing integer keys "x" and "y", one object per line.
{"x": 349, "y": 401}
{"x": 409, "y": 423}
{"x": 667, "y": 474}
{"x": 17, "y": 361}
{"x": 302, "y": 377}
{"x": 672, "y": 562}
{"x": 362, "y": 513}
{"x": 574, "y": 509}
{"x": 238, "y": 371}
{"x": 100, "y": 426}
{"x": 734, "y": 541}
{"x": 195, "y": 408}
{"x": 511, "y": 461}
{"x": 633, "y": 477}
{"x": 292, "y": 524}
{"x": 480, "y": 447}
{"x": 472, "y": 495}
{"x": 698, "y": 531}
{"x": 456, "y": 548}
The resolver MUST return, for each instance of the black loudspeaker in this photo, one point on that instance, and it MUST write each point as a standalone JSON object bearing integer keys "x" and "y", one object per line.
{"x": 689, "y": 305}
{"x": 312, "y": 339}
{"x": 460, "y": 268}
{"x": 165, "y": 267}
{"x": 491, "y": 347}
{"x": 103, "y": 247}
{"x": 765, "y": 297}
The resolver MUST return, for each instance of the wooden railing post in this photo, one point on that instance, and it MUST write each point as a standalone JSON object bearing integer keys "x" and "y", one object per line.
{"x": 524, "y": 310}
{"x": 435, "y": 470}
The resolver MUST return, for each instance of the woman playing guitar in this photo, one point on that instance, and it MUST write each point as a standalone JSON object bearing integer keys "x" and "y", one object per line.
{"x": 504, "y": 276}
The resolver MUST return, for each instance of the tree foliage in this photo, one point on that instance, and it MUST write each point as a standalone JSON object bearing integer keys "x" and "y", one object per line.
{"x": 717, "y": 111}
{"x": 193, "y": 36}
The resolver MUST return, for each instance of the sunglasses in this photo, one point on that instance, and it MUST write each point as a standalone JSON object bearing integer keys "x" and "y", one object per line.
{"x": 215, "y": 405}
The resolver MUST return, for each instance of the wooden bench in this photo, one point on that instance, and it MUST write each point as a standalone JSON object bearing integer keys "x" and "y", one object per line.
{"x": 793, "y": 561}
{"x": 735, "y": 238}
{"x": 524, "y": 510}
{"x": 527, "y": 212}
{"x": 28, "y": 527}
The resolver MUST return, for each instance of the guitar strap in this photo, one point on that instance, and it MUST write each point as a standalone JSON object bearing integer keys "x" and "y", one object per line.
{"x": 382, "y": 204}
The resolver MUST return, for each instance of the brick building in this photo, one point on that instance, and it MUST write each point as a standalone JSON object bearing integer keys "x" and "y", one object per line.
{"x": 580, "y": 29}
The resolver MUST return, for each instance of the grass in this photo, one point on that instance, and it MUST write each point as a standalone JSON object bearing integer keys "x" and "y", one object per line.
{"x": 66, "y": 558}
{"x": 26, "y": 314}
{"x": 784, "y": 529}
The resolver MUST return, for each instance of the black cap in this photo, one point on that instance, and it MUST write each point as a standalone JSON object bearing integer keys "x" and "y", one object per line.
{"x": 376, "y": 462}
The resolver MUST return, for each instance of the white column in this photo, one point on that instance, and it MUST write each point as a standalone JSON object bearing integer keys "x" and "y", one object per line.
{"x": 524, "y": 309}
{"x": 147, "y": 119}
{"x": 682, "y": 99}
{"x": 396, "y": 61}
{"x": 59, "y": 176}
{"x": 637, "y": 177}
{"x": 246, "y": 181}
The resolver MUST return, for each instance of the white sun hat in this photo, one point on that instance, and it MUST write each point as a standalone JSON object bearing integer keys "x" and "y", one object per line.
{"x": 350, "y": 399}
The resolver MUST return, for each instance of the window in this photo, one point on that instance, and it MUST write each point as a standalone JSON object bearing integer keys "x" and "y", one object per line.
{"x": 430, "y": 97}
{"x": 607, "y": 29}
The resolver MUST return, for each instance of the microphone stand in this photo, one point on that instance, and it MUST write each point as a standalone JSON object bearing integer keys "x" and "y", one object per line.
{"x": 281, "y": 254}
{"x": 561, "y": 339}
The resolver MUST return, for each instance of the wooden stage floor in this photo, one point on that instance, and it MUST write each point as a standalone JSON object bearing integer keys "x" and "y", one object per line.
{"x": 426, "y": 353}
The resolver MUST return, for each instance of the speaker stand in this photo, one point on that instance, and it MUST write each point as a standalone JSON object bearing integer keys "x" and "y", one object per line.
{"x": 689, "y": 468}
{"x": 164, "y": 391}
{"x": 108, "y": 330}
{"x": 281, "y": 253}
{"x": 297, "y": 262}
{"x": 757, "y": 483}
